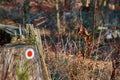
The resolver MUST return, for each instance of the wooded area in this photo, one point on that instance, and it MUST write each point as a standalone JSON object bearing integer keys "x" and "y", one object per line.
{"x": 72, "y": 39}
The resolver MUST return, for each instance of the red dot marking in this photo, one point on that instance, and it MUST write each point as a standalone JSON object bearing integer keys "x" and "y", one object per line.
{"x": 29, "y": 53}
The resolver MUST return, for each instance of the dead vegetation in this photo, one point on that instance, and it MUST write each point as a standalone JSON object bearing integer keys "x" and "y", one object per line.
{"x": 71, "y": 67}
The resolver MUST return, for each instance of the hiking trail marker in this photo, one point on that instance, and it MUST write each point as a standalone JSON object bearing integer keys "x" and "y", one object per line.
{"x": 29, "y": 54}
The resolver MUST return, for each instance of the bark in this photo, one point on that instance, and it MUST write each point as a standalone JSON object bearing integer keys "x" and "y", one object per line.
{"x": 58, "y": 15}
{"x": 38, "y": 44}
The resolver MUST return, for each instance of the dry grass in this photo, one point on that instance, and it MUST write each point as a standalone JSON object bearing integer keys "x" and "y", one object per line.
{"x": 70, "y": 67}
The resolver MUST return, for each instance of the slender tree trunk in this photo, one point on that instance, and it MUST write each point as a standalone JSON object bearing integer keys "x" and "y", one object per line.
{"x": 93, "y": 24}
{"x": 38, "y": 44}
{"x": 58, "y": 15}
{"x": 40, "y": 50}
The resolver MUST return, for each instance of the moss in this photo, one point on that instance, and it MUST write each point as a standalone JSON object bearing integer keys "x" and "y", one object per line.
{"x": 22, "y": 72}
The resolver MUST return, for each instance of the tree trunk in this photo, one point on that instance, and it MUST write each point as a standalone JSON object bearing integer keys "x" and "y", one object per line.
{"x": 58, "y": 16}
{"x": 38, "y": 44}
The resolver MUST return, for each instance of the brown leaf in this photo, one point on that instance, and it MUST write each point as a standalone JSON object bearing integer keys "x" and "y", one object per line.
{"x": 86, "y": 40}
{"x": 79, "y": 26}
{"x": 86, "y": 32}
